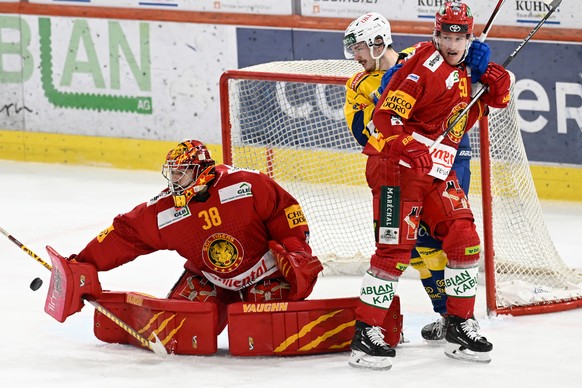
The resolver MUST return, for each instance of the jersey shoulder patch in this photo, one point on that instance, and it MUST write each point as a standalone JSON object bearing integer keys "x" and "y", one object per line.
{"x": 434, "y": 61}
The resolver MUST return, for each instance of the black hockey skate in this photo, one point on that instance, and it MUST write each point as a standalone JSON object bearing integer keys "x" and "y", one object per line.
{"x": 464, "y": 342}
{"x": 369, "y": 349}
{"x": 436, "y": 331}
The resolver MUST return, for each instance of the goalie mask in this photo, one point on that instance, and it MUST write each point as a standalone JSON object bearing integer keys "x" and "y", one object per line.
{"x": 454, "y": 17}
{"x": 368, "y": 28}
{"x": 188, "y": 169}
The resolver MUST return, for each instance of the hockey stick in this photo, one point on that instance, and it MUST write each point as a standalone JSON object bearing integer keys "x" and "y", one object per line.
{"x": 155, "y": 347}
{"x": 492, "y": 18}
{"x": 553, "y": 5}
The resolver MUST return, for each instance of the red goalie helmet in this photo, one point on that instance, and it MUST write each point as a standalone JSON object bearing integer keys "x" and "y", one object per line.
{"x": 454, "y": 17}
{"x": 188, "y": 169}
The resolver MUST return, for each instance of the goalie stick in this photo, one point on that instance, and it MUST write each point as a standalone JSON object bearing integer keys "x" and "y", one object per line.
{"x": 553, "y": 5}
{"x": 155, "y": 347}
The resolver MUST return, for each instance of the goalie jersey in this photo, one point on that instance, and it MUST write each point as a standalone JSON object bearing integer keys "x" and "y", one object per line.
{"x": 233, "y": 254}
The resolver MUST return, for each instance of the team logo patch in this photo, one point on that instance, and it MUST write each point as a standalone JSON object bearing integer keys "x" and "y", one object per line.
{"x": 172, "y": 215}
{"x": 222, "y": 253}
{"x": 458, "y": 130}
{"x": 234, "y": 192}
{"x": 101, "y": 236}
{"x": 399, "y": 102}
{"x": 295, "y": 217}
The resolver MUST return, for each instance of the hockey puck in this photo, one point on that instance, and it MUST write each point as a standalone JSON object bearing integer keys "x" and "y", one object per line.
{"x": 35, "y": 284}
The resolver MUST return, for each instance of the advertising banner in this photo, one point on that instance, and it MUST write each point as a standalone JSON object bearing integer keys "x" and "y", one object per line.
{"x": 513, "y": 13}
{"x": 113, "y": 78}
{"x": 270, "y": 7}
{"x": 548, "y": 88}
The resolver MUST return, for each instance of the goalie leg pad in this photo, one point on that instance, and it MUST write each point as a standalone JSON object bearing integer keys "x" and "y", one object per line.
{"x": 70, "y": 282}
{"x": 183, "y": 326}
{"x": 301, "y": 327}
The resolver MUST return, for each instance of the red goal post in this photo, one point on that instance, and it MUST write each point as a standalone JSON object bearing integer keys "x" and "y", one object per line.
{"x": 286, "y": 119}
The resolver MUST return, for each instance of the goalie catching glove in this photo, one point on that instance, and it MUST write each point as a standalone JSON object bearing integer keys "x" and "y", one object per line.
{"x": 410, "y": 151}
{"x": 300, "y": 269}
{"x": 498, "y": 81}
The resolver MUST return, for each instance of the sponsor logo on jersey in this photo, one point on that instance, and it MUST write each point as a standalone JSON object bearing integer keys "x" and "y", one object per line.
{"x": 395, "y": 120}
{"x": 433, "y": 62}
{"x": 452, "y": 79}
{"x": 172, "y": 215}
{"x": 388, "y": 228}
{"x": 442, "y": 156}
{"x": 264, "y": 267}
{"x": 411, "y": 220}
{"x": 155, "y": 199}
{"x": 101, "y": 236}
{"x": 222, "y": 252}
{"x": 294, "y": 215}
{"x": 377, "y": 292}
{"x": 399, "y": 102}
{"x": 357, "y": 78}
{"x": 234, "y": 192}
{"x": 456, "y": 195}
{"x": 461, "y": 282}
{"x": 413, "y": 77}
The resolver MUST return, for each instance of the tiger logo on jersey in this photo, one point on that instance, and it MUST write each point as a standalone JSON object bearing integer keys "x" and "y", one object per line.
{"x": 222, "y": 252}
{"x": 458, "y": 130}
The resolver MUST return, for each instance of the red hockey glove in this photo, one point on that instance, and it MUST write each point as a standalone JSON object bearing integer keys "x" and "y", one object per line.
{"x": 70, "y": 282}
{"x": 498, "y": 81}
{"x": 412, "y": 152}
{"x": 300, "y": 269}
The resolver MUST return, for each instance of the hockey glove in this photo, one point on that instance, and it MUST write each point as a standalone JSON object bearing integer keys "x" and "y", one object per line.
{"x": 410, "y": 151}
{"x": 70, "y": 283}
{"x": 300, "y": 269}
{"x": 498, "y": 81}
{"x": 385, "y": 80}
{"x": 478, "y": 59}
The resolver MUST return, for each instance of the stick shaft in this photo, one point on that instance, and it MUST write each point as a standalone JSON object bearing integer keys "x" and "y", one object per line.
{"x": 154, "y": 347}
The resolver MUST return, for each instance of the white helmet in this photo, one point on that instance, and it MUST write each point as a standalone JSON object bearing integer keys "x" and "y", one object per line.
{"x": 367, "y": 28}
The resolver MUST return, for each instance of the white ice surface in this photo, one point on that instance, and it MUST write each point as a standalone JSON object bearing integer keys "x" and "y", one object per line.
{"x": 66, "y": 206}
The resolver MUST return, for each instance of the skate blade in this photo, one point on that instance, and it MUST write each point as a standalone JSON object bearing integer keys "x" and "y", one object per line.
{"x": 435, "y": 343}
{"x": 458, "y": 352}
{"x": 362, "y": 360}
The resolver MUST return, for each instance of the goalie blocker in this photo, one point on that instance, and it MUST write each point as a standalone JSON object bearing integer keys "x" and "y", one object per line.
{"x": 281, "y": 328}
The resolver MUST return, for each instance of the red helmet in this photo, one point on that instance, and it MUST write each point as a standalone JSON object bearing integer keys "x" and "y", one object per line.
{"x": 188, "y": 169}
{"x": 454, "y": 17}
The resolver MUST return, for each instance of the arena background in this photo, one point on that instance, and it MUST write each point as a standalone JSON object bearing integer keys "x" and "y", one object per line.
{"x": 117, "y": 82}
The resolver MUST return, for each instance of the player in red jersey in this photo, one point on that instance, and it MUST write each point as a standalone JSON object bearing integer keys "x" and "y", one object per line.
{"x": 409, "y": 184}
{"x": 242, "y": 235}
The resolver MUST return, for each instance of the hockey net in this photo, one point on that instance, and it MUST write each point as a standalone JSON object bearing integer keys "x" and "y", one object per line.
{"x": 286, "y": 119}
